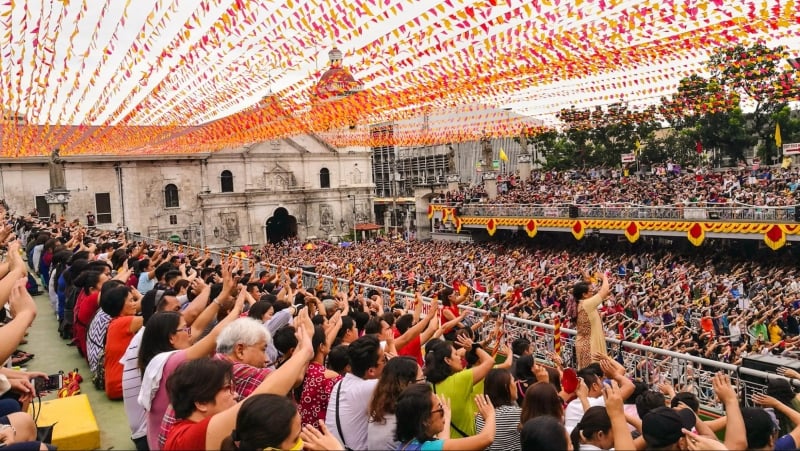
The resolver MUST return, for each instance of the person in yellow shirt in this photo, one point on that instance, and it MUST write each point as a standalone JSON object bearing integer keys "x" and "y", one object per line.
{"x": 445, "y": 371}
{"x": 775, "y": 332}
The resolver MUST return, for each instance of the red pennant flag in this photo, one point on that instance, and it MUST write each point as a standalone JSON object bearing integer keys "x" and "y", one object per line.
{"x": 698, "y": 146}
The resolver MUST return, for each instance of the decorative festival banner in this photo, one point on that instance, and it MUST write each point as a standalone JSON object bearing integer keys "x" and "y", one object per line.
{"x": 103, "y": 77}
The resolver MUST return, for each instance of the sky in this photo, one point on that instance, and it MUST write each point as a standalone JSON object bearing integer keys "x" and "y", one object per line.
{"x": 189, "y": 62}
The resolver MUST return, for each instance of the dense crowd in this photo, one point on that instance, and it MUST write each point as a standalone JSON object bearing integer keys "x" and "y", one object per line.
{"x": 662, "y": 186}
{"x": 239, "y": 355}
{"x": 705, "y": 303}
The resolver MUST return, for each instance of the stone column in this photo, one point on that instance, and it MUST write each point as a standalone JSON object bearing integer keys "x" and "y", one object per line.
{"x": 248, "y": 177}
{"x": 422, "y": 200}
{"x": 204, "y": 177}
{"x": 452, "y": 182}
{"x": 490, "y": 184}
{"x": 524, "y": 166}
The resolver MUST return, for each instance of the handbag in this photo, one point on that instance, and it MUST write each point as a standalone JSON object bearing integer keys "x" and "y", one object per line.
{"x": 44, "y": 434}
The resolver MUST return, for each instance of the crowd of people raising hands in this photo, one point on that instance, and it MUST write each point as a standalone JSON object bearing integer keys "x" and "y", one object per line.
{"x": 209, "y": 355}
{"x": 663, "y": 186}
{"x": 705, "y": 302}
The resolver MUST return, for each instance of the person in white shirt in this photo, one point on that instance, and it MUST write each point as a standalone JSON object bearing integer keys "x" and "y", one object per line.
{"x": 590, "y": 389}
{"x": 347, "y": 415}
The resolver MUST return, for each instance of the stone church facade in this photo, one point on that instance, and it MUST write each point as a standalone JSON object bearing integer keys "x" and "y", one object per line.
{"x": 216, "y": 200}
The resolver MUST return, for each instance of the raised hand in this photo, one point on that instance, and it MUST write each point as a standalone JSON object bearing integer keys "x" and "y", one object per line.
{"x": 764, "y": 400}
{"x": 319, "y": 439}
{"x": 696, "y": 442}
{"x": 721, "y": 384}
{"x": 540, "y": 372}
{"x": 464, "y": 341}
{"x": 485, "y": 407}
{"x": 788, "y": 372}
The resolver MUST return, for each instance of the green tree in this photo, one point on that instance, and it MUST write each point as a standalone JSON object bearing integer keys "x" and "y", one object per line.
{"x": 755, "y": 72}
{"x": 671, "y": 144}
{"x": 601, "y": 136}
{"x": 704, "y": 111}
{"x": 790, "y": 124}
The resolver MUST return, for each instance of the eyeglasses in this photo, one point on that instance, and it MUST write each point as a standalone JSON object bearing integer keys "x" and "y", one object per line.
{"x": 228, "y": 387}
{"x": 439, "y": 410}
{"x": 187, "y": 329}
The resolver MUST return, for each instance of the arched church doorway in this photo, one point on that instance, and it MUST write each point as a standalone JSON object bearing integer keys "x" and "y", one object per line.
{"x": 281, "y": 225}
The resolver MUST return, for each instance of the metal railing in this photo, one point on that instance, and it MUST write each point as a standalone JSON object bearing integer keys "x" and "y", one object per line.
{"x": 649, "y": 364}
{"x": 708, "y": 212}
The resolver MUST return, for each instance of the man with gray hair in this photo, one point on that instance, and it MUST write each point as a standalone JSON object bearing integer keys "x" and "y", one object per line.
{"x": 244, "y": 344}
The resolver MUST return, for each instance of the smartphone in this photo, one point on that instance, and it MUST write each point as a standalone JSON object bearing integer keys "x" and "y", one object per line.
{"x": 50, "y": 383}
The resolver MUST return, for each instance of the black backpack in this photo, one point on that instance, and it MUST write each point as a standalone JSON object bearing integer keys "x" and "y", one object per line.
{"x": 32, "y": 285}
{"x": 65, "y": 327}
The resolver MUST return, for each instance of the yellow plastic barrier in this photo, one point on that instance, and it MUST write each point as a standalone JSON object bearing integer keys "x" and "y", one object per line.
{"x": 76, "y": 427}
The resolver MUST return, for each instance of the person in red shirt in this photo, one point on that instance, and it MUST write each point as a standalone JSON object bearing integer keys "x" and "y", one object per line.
{"x": 319, "y": 381}
{"x": 121, "y": 303}
{"x": 201, "y": 392}
{"x": 90, "y": 283}
{"x": 418, "y": 333}
{"x": 450, "y": 301}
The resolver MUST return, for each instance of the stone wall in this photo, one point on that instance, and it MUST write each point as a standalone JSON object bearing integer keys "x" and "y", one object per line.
{"x": 266, "y": 176}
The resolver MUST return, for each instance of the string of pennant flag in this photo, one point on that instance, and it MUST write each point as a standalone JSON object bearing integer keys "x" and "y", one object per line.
{"x": 160, "y": 76}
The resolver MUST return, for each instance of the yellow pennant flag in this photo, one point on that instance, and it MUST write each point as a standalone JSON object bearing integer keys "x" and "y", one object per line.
{"x": 503, "y": 155}
{"x": 778, "y": 141}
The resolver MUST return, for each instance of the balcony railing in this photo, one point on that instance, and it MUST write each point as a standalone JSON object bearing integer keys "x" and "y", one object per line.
{"x": 694, "y": 212}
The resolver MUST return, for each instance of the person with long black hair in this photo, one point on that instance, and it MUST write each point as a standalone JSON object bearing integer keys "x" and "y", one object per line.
{"x": 426, "y": 422}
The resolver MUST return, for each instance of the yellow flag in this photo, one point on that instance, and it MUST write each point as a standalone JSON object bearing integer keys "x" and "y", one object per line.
{"x": 638, "y": 149}
{"x": 503, "y": 155}
{"x": 778, "y": 141}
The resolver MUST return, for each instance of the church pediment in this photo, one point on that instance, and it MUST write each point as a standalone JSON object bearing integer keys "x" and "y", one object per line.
{"x": 279, "y": 178}
{"x": 278, "y": 169}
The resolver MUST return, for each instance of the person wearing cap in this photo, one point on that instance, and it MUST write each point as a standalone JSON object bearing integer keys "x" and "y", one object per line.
{"x": 762, "y": 429}
{"x": 662, "y": 428}
{"x": 668, "y": 429}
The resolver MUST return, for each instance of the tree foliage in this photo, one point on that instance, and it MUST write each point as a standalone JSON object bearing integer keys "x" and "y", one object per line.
{"x": 756, "y": 73}
{"x": 706, "y": 110}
